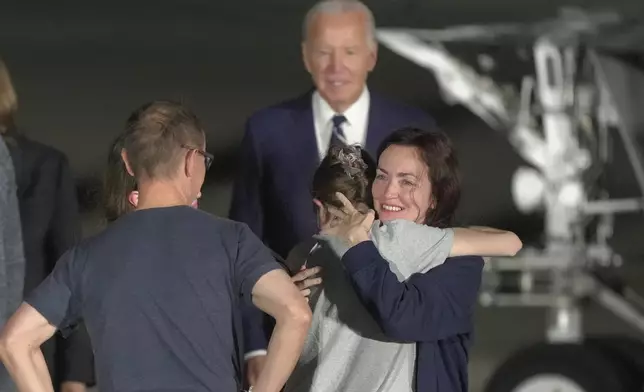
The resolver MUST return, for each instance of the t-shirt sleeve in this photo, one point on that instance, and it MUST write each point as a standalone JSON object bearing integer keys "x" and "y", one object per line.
{"x": 420, "y": 247}
{"x": 57, "y": 298}
{"x": 253, "y": 261}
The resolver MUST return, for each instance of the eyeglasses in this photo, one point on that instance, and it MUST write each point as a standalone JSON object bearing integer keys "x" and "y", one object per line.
{"x": 208, "y": 157}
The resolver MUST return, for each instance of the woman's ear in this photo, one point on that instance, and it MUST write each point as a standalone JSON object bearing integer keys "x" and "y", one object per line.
{"x": 133, "y": 198}
{"x": 323, "y": 215}
{"x": 432, "y": 203}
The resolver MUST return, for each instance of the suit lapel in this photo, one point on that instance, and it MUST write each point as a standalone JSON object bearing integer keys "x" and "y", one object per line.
{"x": 302, "y": 134}
{"x": 377, "y": 127}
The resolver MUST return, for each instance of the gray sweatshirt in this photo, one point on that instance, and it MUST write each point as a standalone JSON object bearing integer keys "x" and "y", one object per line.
{"x": 12, "y": 259}
{"x": 345, "y": 350}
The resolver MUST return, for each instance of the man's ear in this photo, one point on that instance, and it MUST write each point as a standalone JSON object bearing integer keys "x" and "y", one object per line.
{"x": 126, "y": 162}
{"x": 133, "y": 198}
{"x": 305, "y": 57}
{"x": 190, "y": 163}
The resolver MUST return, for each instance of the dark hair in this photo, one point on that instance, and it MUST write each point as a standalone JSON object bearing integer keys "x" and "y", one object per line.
{"x": 349, "y": 170}
{"x": 117, "y": 184}
{"x": 436, "y": 151}
{"x": 156, "y": 133}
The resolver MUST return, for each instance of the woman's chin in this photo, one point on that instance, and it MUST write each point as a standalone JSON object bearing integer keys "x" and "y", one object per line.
{"x": 386, "y": 216}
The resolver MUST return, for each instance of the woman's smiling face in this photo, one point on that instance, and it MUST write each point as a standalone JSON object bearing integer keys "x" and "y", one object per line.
{"x": 401, "y": 189}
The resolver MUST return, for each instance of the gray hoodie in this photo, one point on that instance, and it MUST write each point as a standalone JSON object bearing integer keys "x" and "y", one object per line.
{"x": 345, "y": 350}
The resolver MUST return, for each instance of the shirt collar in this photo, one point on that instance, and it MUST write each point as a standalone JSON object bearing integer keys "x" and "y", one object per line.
{"x": 353, "y": 114}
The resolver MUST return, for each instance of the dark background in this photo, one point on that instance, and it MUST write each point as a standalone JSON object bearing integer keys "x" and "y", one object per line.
{"x": 81, "y": 68}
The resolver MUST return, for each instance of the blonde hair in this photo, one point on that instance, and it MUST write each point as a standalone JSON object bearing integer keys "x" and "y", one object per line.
{"x": 8, "y": 97}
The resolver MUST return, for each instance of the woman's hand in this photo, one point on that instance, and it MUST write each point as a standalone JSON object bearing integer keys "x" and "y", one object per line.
{"x": 350, "y": 225}
{"x": 306, "y": 278}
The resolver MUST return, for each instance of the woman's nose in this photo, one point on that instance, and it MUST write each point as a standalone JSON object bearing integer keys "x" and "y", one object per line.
{"x": 391, "y": 190}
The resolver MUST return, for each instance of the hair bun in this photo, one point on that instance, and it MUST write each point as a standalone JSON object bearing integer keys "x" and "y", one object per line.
{"x": 350, "y": 158}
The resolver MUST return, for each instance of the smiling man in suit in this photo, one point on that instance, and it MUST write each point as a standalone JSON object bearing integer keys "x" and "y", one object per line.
{"x": 283, "y": 144}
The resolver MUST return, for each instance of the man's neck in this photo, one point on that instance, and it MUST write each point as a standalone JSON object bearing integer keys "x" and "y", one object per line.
{"x": 157, "y": 194}
{"x": 342, "y": 107}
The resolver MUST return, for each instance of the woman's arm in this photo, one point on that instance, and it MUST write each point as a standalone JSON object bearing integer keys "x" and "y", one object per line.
{"x": 414, "y": 247}
{"x": 484, "y": 241}
{"x": 427, "y": 307}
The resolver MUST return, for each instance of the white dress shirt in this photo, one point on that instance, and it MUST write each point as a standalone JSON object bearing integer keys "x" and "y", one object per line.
{"x": 354, "y": 129}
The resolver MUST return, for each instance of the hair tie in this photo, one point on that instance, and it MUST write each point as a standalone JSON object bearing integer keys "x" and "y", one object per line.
{"x": 350, "y": 158}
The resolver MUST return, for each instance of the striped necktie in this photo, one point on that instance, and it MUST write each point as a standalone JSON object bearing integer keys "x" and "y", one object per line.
{"x": 337, "y": 135}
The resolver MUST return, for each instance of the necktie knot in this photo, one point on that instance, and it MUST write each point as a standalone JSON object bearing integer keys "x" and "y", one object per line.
{"x": 338, "y": 120}
{"x": 337, "y": 135}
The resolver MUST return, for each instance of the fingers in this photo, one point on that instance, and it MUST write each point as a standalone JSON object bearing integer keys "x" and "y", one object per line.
{"x": 348, "y": 207}
{"x": 336, "y": 212}
{"x": 317, "y": 203}
{"x": 308, "y": 283}
{"x": 305, "y": 273}
{"x": 367, "y": 222}
{"x": 331, "y": 231}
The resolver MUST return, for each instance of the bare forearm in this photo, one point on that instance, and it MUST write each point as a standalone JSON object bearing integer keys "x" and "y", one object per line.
{"x": 28, "y": 369}
{"x": 487, "y": 229}
{"x": 484, "y": 241}
{"x": 284, "y": 349}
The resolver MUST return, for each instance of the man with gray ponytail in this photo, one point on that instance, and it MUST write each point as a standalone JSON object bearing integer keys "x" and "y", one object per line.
{"x": 284, "y": 143}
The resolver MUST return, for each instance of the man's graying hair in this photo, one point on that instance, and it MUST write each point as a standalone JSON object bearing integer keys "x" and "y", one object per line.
{"x": 155, "y": 136}
{"x": 339, "y": 6}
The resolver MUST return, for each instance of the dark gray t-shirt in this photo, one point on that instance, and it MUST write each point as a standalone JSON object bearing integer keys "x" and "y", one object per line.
{"x": 160, "y": 292}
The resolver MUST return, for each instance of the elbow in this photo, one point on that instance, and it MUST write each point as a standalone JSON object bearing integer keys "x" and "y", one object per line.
{"x": 429, "y": 332}
{"x": 302, "y": 317}
{"x": 9, "y": 345}
{"x": 405, "y": 333}
{"x": 396, "y": 332}
{"x": 298, "y": 316}
{"x": 515, "y": 245}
